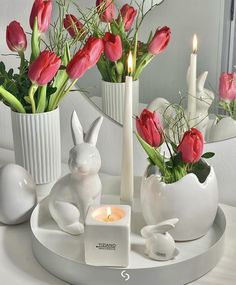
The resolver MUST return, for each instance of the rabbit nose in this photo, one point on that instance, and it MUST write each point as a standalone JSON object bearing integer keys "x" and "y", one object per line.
{"x": 83, "y": 167}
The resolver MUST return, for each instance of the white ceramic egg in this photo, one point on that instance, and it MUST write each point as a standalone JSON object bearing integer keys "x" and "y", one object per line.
{"x": 17, "y": 194}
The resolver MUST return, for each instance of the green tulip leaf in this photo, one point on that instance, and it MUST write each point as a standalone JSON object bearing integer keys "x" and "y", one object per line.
{"x": 27, "y": 99}
{"x": 2, "y": 67}
{"x": 208, "y": 155}
{"x": 10, "y": 73}
{"x": 2, "y": 80}
{"x": 153, "y": 154}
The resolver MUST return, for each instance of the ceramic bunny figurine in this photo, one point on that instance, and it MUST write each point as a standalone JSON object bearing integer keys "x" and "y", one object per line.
{"x": 204, "y": 102}
{"x": 74, "y": 193}
{"x": 159, "y": 243}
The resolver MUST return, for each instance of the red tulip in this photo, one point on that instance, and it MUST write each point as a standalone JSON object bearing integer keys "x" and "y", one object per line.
{"x": 106, "y": 10}
{"x": 228, "y": 86}
{"x": 73, "y": 25}
{"x": 149, "y": 128}
{"x": 78, "y": 65}
{"x": 112, "y": 46}
{"x": 42, "y": 9}
{"x": 191, "y": 146}
{"x": 44, "y": 68}
{"x": 159, "y": 41}
{"x": 94, "y": 48}
{"x": 128, "y": 14}
{"x": 16, "y": 37}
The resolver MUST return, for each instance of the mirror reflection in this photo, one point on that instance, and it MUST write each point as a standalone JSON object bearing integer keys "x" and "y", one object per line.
{"x": 174, "y": 71}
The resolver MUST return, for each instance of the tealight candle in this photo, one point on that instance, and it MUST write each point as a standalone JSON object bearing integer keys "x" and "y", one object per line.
{"x": 107, "y": 235}
{"x": 108, "y": 214}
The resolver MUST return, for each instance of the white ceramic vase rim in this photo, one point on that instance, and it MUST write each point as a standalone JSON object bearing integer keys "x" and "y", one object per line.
{"x": 136, "y": 81}
{"x": 190, "y": 177}
{"x": 36, "y": 114}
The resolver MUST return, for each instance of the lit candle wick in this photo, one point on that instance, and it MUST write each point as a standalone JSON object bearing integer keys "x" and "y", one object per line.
{"x": 130, "y": 64}
{"x": 195, "y": 43}
{"x": 109, "y": 215}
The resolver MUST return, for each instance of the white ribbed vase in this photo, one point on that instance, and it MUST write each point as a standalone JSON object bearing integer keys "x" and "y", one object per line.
{"x": 113, "y": 99}
{"x": 37, "y": 144}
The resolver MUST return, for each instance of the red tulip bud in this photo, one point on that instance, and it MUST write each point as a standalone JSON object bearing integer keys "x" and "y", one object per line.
{"x": 106, "y": 10}
{"x": 16, "y": 37}
{"x": 94, "y": 47}
{"x": 44, "y": 68}
{"x": 159, "y": 41}
{"x": 149, "y": 128}
{"x": 128, "y": 14}
{"x": 42, "y": 9}
{"x": 79, "y": 64}
{"x": 191, "y": 146}
{"x": 112, "y": 46}
{"x": 228, "y": 86}
{"x": 73, "y": 25}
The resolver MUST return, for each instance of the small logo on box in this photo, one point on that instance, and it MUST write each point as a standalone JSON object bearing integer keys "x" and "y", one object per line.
{"x": 106, "y": 246}
{"x": 125, "y": 275}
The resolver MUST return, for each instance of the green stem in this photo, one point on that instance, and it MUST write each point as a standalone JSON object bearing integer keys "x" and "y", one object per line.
{"x": 32, "y": 91}
{"x": 101, "y": 65}
{"x": 135, "y": 52}
{"x": 42, "y": 99}
{"x": 12, "y": 100}
{"x": 35, "y": 41}
{"x": 60, "y": 95}
{"x": 234, "y": 110}
{"x": 119, "y": 76}
{"x": 22, "y": 62}
{"x": 142, "y": 64}
{"x": 229, "y": 109}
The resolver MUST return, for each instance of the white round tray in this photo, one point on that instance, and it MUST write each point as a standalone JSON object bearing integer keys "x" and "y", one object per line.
{"x": 63, "y": 255}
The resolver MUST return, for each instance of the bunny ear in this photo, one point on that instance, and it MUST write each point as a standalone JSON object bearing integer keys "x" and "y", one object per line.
{"x": 163, "y": 227}
{"x": 92, "y": 134}
{"x": 201, "y": 81}
{"x": 76, "y": 129}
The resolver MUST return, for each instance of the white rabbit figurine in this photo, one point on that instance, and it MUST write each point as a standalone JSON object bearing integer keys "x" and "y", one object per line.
{"x": 159, "y": 243}
{"x": 74, "y": 193}
{"x": 205, "y": 98}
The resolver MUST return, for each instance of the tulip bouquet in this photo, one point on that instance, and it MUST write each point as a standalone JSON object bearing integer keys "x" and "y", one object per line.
{"x": 118, "y": 28}
{"x": 184, "y": 157}
{"x": 227, "y": 92}
{"x": 44, "y": 79}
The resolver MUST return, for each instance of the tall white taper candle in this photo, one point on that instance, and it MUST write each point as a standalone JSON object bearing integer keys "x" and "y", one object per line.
{"x": 127, "y": 176}
{"x": 192, "y": 84}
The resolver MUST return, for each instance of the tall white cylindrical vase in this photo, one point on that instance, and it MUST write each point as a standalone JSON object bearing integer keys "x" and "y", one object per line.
{"x": 113, "y": 99}
{"x": 37, "y": 144}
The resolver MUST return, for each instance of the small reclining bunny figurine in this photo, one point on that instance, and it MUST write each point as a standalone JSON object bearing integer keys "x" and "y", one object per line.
{"x": 74, "y": 193}
{"x": 159, "y": 243}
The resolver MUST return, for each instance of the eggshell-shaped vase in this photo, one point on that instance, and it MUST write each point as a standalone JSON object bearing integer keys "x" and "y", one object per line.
{"x": 17, "y": 194}
{"x": 193, "y": 203}
{"x": 224, "y": 129}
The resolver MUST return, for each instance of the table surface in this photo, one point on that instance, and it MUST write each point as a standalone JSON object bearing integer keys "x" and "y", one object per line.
{"x": 18, "y": 265}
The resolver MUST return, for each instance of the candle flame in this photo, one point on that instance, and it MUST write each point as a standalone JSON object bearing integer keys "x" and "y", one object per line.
{"x": 130, "y": 63}
{"x": 108, "y": 211}
{"x": 195, "y": 43}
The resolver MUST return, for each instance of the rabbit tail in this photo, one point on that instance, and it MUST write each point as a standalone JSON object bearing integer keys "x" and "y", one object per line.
{"x": 67, "y": 217}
